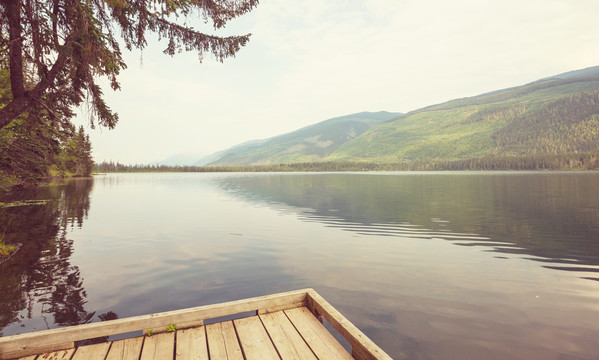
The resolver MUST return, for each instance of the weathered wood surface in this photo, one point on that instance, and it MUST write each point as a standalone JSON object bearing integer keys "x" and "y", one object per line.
{"x": 254, "y": 339}
{"x": 286, "y": 326}
{"x": 192, "y": 345}
{"x": 97, "y": 351}
{"x": 158, "y": 347}
{"x": 57, "y": 355}
{"x": 223, "y": 342}
{"x": 47, "y": 340}
{"x": 363, "y": 347}
{"x": 322, "y": 343}
{"x": 285, "y": 337}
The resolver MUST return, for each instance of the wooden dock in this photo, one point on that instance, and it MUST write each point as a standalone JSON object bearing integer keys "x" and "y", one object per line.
{"x": 285, "y": 326}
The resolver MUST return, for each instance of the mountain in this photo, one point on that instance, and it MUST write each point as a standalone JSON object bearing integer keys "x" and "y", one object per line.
{"x": 309, "y": 144}
{"x": 214, "y": 158}
{"x": 551, "y": 116}
{"x": 180, "y": 159}
{"x": 590, "y": 71}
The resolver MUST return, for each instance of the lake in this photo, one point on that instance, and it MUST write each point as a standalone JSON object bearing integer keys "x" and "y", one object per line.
{"x": 440, "y": 265}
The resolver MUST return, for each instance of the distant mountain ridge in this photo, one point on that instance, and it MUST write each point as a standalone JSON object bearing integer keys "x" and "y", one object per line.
{"x": 309, "y": 144}
{"x": 556, "y": 115}
{"x": 581, "y": 73}
{"x": 551, "y": 116}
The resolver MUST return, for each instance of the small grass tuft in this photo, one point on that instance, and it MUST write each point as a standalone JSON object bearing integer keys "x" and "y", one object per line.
{"x": 7, "y": 250}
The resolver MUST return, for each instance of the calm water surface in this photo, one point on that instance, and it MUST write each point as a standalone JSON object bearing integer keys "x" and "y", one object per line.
{"x": 429, "y": 265}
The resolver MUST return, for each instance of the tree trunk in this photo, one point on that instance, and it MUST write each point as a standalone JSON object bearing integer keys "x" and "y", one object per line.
{"x": 22, "y": 99}
{"x": 15, "y": 47}
{"x": 15, "y": 62}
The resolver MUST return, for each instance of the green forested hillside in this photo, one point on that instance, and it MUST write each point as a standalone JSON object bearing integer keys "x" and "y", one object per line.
{"x": 553, "y": 116}
{"x": 569, "y": 124}
{"x": 550, "y": 123}
{"x": 308, "y": 144}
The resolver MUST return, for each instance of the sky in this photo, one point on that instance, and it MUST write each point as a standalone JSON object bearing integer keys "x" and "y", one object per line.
{"x": 311, "y": 60}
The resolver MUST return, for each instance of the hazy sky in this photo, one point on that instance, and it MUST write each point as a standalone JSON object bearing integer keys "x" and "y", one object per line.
{"x": 311, "y": 60}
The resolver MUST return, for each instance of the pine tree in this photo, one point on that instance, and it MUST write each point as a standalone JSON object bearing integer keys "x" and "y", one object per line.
{"x": 56, "y": 49}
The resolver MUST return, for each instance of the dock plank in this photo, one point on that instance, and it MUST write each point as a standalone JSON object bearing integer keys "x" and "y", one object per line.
{"x": 128, "y": 349}
{"x": 322, "y": 343}
{"x": 192, "y": 345}
{"x": 91, "y": 352}
{"x": 254, "y": 339}
{"x": 44, "y": 341}
{"x": 363, "y": 348}
{"x": 58, "y": 355}
{"x": 159, "y": 347}
{"x": 222, "y": 341}
{"x": 288, "y": 342}
{"x": 285, "y": 326}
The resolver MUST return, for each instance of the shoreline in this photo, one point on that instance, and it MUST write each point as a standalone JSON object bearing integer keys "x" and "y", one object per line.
{"x": 37, "y": 182}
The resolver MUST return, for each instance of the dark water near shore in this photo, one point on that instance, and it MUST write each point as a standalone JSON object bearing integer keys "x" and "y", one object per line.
{"x": 429, "y": 265}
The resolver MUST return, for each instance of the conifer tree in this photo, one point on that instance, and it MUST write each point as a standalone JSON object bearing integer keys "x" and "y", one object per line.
{"x": 55, "y": 50}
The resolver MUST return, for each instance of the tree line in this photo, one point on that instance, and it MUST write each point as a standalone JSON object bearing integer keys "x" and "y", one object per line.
{"x": 570, "y": 161}
{"x": 37, "y": 145}
{"x": 33, "y": 152}
{"x": 52, "y": 54}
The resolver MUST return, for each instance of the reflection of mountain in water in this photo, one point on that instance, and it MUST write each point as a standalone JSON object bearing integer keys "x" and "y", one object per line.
{"x": 40, "y": 280}
{"x": 550, "y": 218}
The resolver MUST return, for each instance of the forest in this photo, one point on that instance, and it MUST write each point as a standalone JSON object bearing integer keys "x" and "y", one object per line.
{"x": 52, "y": 57}
{"x": 37, "y": 146}
{"x": 543, "y": 119}
{"x": 565, "y": 125}
{"x": 569, "y": 161}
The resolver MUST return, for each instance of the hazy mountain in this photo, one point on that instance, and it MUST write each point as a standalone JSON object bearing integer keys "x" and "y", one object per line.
{"x": 180, "y": 159}
{"x": 309, "y": 144}
{"x": 554, "y": 115}
{"x": 590, "y": 71}
{"x": 246, "y": 146}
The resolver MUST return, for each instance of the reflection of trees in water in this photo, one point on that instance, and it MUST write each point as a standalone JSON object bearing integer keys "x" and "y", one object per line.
{"x": 40, "y": 278}
{"x": 552, "y": 217}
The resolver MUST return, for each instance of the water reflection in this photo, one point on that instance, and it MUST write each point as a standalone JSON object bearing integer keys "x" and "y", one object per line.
{"x": 40, "y": 287}
{"x": 435, "y": 266}
{"x": 552, "y": 219}
{"x": 438, "y": 266}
